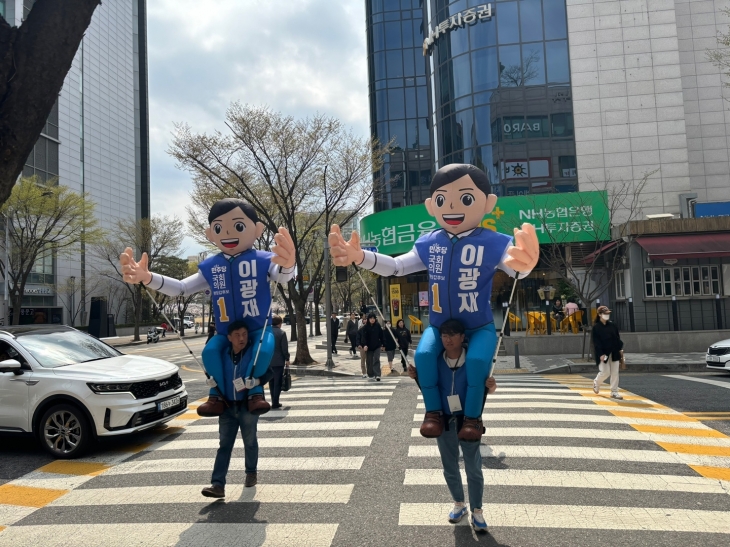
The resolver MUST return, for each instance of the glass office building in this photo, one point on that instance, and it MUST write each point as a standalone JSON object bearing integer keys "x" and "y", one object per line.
{"x": 490, "y": 86}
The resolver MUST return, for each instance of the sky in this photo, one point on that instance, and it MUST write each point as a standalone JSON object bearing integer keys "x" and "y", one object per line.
{"x": 298, "y": 57}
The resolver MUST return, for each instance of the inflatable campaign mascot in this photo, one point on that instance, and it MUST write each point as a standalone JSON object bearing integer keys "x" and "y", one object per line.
{"x": 461, "y": 259}
{"x": 238, "y": 278}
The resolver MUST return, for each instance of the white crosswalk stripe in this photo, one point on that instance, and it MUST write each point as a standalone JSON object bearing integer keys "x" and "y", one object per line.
{"x": 324, "y": 431}
{"x": 535, "y": 424}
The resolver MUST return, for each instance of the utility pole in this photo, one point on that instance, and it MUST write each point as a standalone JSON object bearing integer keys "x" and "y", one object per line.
{"x": 328, "y": 302}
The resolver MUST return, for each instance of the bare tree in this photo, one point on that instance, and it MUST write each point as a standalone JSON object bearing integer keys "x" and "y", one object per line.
{"x": 590, "y": 273}
{"x": 720, "y": 57}
{"x": 71, "y": 297}
{"x": 34, "y": 61}
{"x": 159, "y": 236}
{"x": 300, "y": 174}
{"x": 42, "y": 221}
{"x": 520, "y": 75}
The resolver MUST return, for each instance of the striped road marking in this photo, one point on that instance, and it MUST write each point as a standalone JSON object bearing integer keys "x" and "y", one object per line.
{"x": 575, "y": 517}
{"x": 179, "y": 534}
{"x": 300, "y": 395}
{"x": 574, "y": 479}
{"x": 578, "y": 405}
{"x": 269, "y": 442}
{"x": 183, "y": 465}
{"x": 296, "y": 426}
{"x": 568, "y": 396}
{"x": 582, "y": 418}
{"x": 264, "y": 493}
{"x": 717, "y": 383}
{"x": 339, "y": 389}
{"x": 372, "y": 402}
{"x": 583, "y": 453}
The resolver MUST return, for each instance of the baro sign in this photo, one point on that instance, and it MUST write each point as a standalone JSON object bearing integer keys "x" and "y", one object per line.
{"x": 470, "y": 16}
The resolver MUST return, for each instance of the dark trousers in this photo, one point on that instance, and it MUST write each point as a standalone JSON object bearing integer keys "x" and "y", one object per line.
{"x": 334, "y": 342}
{"x": 402, "y": 359}
{"x": 275, "y": 384}
{"x": 353, "y": 341}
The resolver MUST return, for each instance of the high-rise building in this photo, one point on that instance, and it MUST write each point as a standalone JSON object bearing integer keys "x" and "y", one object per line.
{"x": 96, "y": 141}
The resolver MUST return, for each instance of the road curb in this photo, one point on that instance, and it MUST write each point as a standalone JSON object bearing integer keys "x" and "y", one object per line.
{"x": 576, "y": 368}
{"x": 169, "y": 338}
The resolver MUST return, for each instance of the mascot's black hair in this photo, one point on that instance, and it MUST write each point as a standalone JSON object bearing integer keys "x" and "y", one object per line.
{"x": 454, "y": 171}
{"x": 223, "y": 206}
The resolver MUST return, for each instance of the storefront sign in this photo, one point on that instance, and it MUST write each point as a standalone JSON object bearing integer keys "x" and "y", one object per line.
{"x": 558, "y": 218}
{"x": 396, "y": 308}
{"x": 470, "y": 16}
{"x": 37, "y": 291}
{"x": 522, "y": 127}
{"x": 716, "y": 209}
{"x": 423, "y": 299}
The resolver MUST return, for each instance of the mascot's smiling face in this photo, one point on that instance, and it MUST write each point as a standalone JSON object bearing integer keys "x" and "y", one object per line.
{"x": 460, "y": 198}
{"x": 231, "y": 228}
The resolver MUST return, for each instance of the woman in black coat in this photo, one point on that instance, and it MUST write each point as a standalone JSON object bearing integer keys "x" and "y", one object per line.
{"x": 372, "y": 341}
{"x": 608, "y": 349}
{"x": 404, "y": 339}
{"x": 351, "y": 333}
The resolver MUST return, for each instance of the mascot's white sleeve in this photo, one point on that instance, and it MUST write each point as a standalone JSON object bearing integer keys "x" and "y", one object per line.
{"x": 197, "y": 283}
{"x": 509, "y": 271}
{"x": 175, "y": 287}
{"x": 387, "y": 265}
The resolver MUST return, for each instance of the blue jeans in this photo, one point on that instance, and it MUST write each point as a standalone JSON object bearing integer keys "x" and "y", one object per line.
{"x": 479, "y": 355}
{"x": 215, "y": 351}
{"x": 448, "y": 444}
{"x": 228, "y": 424}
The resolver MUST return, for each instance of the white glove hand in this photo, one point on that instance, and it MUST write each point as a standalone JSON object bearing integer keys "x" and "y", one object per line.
{"x": 251, "y": 383}
{"x": 210, "y": 382}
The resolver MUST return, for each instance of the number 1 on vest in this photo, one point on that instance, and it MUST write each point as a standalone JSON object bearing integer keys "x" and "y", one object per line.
{"x": 436, "y": 307}
{"x": 222, "y": 310}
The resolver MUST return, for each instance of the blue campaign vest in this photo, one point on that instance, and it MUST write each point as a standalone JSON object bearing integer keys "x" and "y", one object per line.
{"x": 239, "y": 287}
{"x": 445, "y": 378}
{"x": 460, "y": 272}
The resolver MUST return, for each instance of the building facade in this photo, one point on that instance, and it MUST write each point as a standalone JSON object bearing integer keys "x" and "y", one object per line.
{"x": 95, "y": 142}
{"x": 557, "y": 97}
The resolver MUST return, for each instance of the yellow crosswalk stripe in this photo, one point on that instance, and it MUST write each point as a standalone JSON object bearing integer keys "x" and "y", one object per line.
{"x": 702, "y": 450}
{"x": 684, "y": 431}
{"x": 718, "y": 473}
{"x": 28, "y": 496}
{"x": 63, "y": 467}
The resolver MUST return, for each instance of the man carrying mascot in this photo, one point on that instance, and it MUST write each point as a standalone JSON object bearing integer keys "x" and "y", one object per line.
{"x": 461, "y": 259}
{"x": 238, "y": 278}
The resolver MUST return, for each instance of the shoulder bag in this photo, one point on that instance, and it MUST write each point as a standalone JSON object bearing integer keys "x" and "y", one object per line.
{"x": 286, "y": 379}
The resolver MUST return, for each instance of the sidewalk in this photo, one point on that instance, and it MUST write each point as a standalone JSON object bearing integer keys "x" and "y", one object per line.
{"x": 122, "y": 341}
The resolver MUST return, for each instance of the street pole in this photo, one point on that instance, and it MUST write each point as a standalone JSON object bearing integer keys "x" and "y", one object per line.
{"x": 72, "y": 307}
{"x": 328, "y": 302}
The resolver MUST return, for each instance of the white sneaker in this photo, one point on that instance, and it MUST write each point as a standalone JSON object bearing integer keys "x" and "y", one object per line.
{"x": 616, "y": 395}
{"x": 377, "y": 378}
{"x": 457, "y": 513}
{"x": 478, "y": 522}
{"x": 596, "y": 389}
{"x": 364, "y": 375}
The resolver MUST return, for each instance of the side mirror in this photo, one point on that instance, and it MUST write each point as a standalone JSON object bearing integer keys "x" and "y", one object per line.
{"x": 11, "y": 365}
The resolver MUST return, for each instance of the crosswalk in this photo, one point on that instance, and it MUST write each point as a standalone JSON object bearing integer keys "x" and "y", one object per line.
{"x": 343, "y": 463}
{"x": 558, "y": 456}
{"x": 309, "y": 452}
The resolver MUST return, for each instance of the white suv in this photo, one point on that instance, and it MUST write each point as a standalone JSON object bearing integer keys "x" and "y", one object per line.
{"x": 718, "y": 355}
{"x": 68, "y": 388}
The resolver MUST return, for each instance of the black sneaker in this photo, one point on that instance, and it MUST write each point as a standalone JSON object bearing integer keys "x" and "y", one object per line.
{"x": 250, "y": 480}
{"x": 214, "y": 491}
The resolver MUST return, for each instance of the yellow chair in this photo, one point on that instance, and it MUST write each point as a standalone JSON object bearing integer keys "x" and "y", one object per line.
{"x": 515, "y": 323}
{"x": 594, "y": 313}
{"x": 566, "y": 324}
{"x": 535, "y": 322}
{"x": 416, "y": 323}
{"x": 576, "y": 320}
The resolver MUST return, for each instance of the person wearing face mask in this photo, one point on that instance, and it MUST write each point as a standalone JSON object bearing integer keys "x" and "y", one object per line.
{"x": 608, "y": 349}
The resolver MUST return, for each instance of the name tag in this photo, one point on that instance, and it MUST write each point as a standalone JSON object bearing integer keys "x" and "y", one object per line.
{"x": 239, "y": 384}
{"x": 454, "y": 403}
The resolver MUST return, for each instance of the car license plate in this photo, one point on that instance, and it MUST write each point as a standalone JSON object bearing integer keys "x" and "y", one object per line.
{"x": 169, "y": 403}
{"x": 713, "y": 359}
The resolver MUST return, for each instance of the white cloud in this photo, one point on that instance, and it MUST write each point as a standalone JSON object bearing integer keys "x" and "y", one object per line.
{"x": 298, "y": 57}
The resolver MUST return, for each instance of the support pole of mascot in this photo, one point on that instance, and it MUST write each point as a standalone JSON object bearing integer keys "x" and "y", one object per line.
{"x": 238, "y": 278}
{"x": 461, "y": 259}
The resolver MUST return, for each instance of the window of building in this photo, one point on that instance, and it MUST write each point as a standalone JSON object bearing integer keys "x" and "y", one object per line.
{"x": 682, "y": 281}
{"x": 42, "y": 271}
{"x": 508, "y": 28}
{"x": 558, "y": 65}
{"x": 2, "y": 9}
{"x": 567, "y": 166}
{"x": 620, "y": 284}
{"x": 562, "y": 124}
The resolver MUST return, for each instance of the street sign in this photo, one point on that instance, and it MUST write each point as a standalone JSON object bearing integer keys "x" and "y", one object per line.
{"x": 371, "y": 249}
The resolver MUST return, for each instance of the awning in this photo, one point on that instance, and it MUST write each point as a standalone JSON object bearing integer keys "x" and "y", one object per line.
{"x": 686, "y": 246}
{"x": 608, "y": 246}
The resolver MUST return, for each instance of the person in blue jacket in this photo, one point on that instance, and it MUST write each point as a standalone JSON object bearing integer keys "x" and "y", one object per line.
{"x": 238, "y": 278}
{"x": 461, "y": 259}
{"x": 453, "y": 386}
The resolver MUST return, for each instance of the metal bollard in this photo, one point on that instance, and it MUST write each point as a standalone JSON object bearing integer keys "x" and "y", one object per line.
{"x": 517, "y": 354}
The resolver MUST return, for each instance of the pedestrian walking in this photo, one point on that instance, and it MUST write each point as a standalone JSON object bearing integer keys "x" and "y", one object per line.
{"x": 211, "y": 331}
{"x": 335, "y": 330}
{"x": 232, "y": 382}
{"x": 372, "y": 342}
{"x": 404, "y": 340}
{"x": 279, "y": 360}
{"x": 361, "y": 347}
{"x": 351, "y": 333}
{"x": 452, "y": 386}
{"x": 389, "y": 344}
{"x": 608, "y": 350}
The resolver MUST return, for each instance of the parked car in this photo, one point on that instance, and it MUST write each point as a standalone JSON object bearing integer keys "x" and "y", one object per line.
{"x": 69, "y": 389}
{"x": 288, "y": 322}
{"x": 718, "y": 356}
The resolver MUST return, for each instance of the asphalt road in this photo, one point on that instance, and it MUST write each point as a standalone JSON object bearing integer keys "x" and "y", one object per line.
{"x": 340, "y": 465}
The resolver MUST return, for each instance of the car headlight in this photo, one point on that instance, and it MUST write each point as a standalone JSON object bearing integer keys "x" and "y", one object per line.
{"x": 109, "y": 388}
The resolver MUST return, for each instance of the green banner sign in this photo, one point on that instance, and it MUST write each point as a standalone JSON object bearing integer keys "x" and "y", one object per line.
{"x": 558, "y": 218}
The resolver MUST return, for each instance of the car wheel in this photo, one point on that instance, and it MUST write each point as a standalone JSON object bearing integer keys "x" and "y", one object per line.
{"x": 64, "y": 431}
